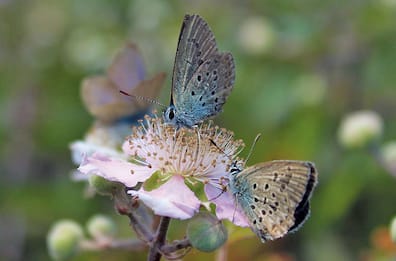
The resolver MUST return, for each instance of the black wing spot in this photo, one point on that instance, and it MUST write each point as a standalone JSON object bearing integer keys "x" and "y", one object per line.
{"x": 200, "y": 61}
{"x": 254, "y": 185}
{"x": 260, "y": 219}
{"x": 263, "y": 212}
{"x": 254, "y": 222}
{"x": 252, "y": 206}
{"x": 215, "y": 71}
{"x": 200, "y": 98}
{"x": 207, "y": 74}
{"x": 215, "y": 78}
{"x": 213, "y": 92}
{"x": 196, "y": 45}
{"x": 192, "y": 93}
{"x": 216, "y": 100}
{"x": 199, "y": 77}
{"x": 256, "y": 200}
{"x": 266, "y": 186}
{"x": 203, "y": 104}
{"x": 273, "y": 195}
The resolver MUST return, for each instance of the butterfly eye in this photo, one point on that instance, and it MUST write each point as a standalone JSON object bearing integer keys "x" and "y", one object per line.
{"x": 171, "y": 115}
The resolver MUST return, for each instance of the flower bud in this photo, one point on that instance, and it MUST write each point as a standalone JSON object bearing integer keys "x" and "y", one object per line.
{"x": 103, "y": 186}
{"x": 392, "y": 229}
{"x": 101, "y": 226}
{"x": 63, "y": 239}
{"x": 360, "y": 128}
{"x": 388, "y": 153}
{"x": 256, "y": 36}
{"x": 206, "y": 233}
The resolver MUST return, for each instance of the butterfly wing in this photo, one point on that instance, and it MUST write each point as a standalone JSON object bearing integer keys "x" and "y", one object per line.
{"x": 275, "y": 196}
{"x": 202, "y": 76}
{"x": 101, "y": 94}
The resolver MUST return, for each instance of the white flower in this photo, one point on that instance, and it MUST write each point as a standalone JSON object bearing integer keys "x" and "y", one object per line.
{"x": 360, "y": 128}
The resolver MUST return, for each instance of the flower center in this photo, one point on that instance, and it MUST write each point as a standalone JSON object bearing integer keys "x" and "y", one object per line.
{"x": 201, "y": 154}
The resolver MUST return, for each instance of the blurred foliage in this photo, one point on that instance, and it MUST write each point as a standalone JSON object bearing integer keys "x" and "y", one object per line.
{"x": 308, "y": 64}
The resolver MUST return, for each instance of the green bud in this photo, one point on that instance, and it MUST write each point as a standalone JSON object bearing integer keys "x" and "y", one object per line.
{"x": 206, "y": 233}
{"x": 360, "y": 128}
{"x": 101, "y": 226}
{"x": 103, "y": 186}
{"x": 389, "y": 156}
{"x": 392, "y": 229}
{"x": 63, "y": 239}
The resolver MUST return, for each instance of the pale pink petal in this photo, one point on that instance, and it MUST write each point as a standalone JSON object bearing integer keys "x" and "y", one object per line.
{"x": 226, "y": 207}
{"x": 114, "y": 169}
{"x": 173, "y": 199}
{"x": 81, "y": 149}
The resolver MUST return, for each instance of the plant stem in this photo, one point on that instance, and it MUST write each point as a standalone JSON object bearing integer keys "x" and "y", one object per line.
{"x": 140, "y": 229}
{"x": 175, "y": 245}
{"x": 154, "y": 253}
{"x": 132, "y": 245}
{"x": 222, "y": 253}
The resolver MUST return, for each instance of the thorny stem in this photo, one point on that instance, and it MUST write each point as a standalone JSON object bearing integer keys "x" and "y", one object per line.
{"x": 154, "y": 253}
{"x": 141, "y": 229}
{"x": 175, "y": 246}
{"x": 133, "y": 245}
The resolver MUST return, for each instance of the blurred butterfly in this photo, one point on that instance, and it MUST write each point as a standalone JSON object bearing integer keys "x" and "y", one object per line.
{"x": 202, "y": 78}
{"x": 274, "y": 195}
{"x": 101, "y": 96}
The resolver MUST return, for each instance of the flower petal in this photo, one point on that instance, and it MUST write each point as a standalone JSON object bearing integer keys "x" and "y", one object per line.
{"x": 115, "y": 169}
{"x": 80, "y": 149}
{"x": 173, "y": 199}
{"x": 226, "y": 207}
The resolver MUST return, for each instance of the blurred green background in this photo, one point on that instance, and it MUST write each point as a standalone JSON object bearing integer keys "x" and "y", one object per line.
{"x": 300, "y": 67}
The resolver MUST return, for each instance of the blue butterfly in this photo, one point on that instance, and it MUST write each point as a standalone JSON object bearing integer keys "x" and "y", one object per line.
{"x": 202, "y": 78}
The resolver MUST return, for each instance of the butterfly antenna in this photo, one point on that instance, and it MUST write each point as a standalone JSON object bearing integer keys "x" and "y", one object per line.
{"x": 143, "y": 98}
{"x": 252, "y": 147}
{"x": 199, "y": 143}
{"x": 214, "y": 143}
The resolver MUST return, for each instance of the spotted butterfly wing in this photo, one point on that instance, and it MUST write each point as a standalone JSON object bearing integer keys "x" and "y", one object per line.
{"x": 203, "y": 77}
{"x": 275, "y": 196}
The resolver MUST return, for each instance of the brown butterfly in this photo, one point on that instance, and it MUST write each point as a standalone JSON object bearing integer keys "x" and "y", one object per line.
{"x": 274, "y": 195}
